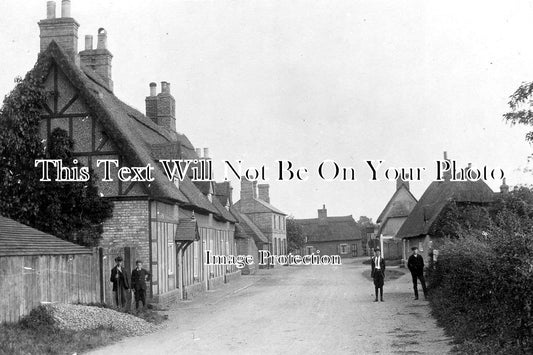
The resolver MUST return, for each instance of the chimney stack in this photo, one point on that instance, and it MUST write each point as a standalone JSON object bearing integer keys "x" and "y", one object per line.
{"x": 63, "y": 30}
{"x": 248, "y": 189}
{"x": 323, "y": 215}
{"x": 161, "y": 108}
{"x": 198, "y": 152}
{"x": 263, "y": 190}
{"x": 400, "y": 182}
{"x": 504, "y": 188}
{"x": 447, "y": 175}
{"x": 98, "y": 59}
{"x": 151, "y": 103}
{"x": 206, "y": 153}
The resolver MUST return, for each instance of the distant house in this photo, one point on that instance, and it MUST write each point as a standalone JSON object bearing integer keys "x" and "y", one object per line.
{"x": 419, "y": 229}
{"x": 337, "y": 235}
{"x": 260, "y": 220}
{"x": 36, "y": 267}
{"x": 249, "y": 238}
{"x": 392, "y": 218}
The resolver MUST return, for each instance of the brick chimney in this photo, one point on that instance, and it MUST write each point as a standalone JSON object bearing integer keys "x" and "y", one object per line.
{"x": 400, "y": 182}
{"x": 447, "y": 175}
{"x": 98, "y": 59}
{"x": 263, "y": 190}
{"x": 504, "y": 188}
{"x": 323, "y": 215}
{"x": 248, "y": 189}
{"x": 63, "y": 30}
{"x": 161, "y": 108}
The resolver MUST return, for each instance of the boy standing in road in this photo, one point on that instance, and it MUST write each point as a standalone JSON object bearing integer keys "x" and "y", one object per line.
{"x": 416, "y": 266}
{"x": 139, "y": 276}
{"x": 378, "y": 273}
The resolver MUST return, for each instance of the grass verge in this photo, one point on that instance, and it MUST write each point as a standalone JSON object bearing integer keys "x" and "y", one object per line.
{"x": 37, "y": 334}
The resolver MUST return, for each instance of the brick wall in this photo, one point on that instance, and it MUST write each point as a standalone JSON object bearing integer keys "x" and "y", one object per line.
{"x": 128, "y": 228}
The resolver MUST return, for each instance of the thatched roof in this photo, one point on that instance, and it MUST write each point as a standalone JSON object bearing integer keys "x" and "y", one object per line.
{"x": 395, "y": 208}
{"x": 340, "y": 228}
{"x": 139, "y": 139}
{"x": 436, "y": 197}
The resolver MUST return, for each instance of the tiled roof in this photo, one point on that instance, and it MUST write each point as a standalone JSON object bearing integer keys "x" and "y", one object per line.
{"x": 187, "y": 230}
{"x": 337, "y": 228}
{"x": 260, "y": 206}
{"x": 436, "y": 197}
{"x": 223, "y": 192}
{"x": 248, "y": 226}
{"x": 223, "y": 211}
{"x": 134, "y": 133}
{"x": 17, "y": 239}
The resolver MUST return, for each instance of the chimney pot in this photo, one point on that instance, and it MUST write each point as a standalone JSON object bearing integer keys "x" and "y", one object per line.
{"x": 102, "y": 39}
{"x": 165, "y": 87}
{"x": 65, "y": 8}
{"x": 206, "y": 153}
{"x": 153, "y": 89}
{"x": 50, "y": 9}
{"x": 88, "y": 42}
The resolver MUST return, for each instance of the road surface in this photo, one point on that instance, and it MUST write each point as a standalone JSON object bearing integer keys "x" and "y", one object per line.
{"x": 297, "y": 310}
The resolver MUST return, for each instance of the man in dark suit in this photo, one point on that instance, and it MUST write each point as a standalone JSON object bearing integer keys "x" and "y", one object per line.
{"x": 121, "y": 282}
{"x": 378, "y": 273}
{"x": 139, "y": 276}
{"x": 416, "y": 266}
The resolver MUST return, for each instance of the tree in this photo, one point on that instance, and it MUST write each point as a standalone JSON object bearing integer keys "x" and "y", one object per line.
{"x": 521, "y": 108}
{"x": 365, "y": 223}
{"x": 295, "y": 235}
{"x": 70, "y": 210}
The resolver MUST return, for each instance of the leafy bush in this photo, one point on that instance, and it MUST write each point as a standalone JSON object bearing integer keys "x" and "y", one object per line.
{"x": 482, "y": 284}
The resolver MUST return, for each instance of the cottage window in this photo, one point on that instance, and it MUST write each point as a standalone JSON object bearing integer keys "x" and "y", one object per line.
{"x": 343, "y": 248}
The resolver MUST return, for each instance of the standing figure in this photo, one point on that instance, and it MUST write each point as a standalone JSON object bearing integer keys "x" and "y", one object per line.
{"x": 378, "y": 273}
{"x": 121, "y": 282}
{"x": 416, "y": 266}
{"x": 139, "y": 276}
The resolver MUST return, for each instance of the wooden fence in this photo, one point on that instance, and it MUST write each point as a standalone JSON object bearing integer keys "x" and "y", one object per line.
{"x": 28, "y": 281}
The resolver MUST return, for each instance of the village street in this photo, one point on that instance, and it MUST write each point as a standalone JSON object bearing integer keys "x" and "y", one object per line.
{"x": 297, "y": 310}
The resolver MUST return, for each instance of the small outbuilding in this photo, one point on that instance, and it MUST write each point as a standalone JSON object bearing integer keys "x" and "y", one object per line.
{"x": 37, "y": 268}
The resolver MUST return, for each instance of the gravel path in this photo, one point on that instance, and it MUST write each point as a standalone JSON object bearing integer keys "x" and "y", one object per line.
{"x": 80, "y": 317}
{"x": 297, "y": 310}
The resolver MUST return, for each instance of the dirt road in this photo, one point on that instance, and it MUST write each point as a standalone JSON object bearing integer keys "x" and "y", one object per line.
{"x": 297, "y": 310}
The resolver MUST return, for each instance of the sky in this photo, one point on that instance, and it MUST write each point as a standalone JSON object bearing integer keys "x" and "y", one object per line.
{"x": 307, "y": 81}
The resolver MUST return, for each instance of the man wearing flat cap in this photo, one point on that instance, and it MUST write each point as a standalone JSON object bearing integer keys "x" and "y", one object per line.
{"x": 120, "y": 280}
{"x": 415, "y": 263}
